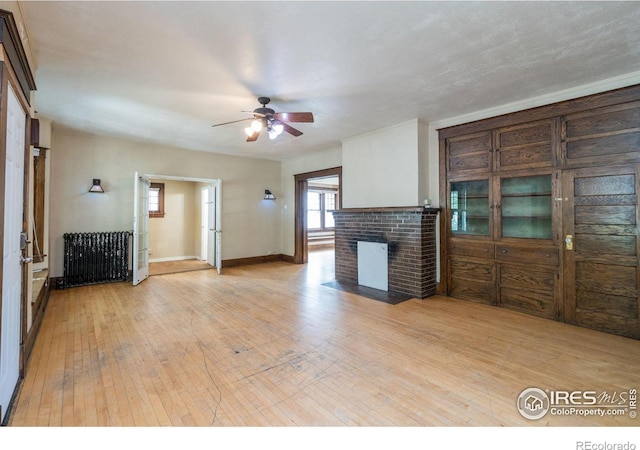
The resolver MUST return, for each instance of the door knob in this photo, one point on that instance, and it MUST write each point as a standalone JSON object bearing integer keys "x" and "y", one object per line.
{"x": 24, "y": 260}
{"x": 568, "y": 242}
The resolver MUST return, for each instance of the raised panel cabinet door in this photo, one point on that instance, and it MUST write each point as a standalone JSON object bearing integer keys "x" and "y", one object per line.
{"x": 602, "y": 136}
{"x": 529, "y": 145}
{"x": 472, "y": 152}
{"x": 600, "y": 225}
{"x": 529, "y": 289}
{"x": 472, "y": 279}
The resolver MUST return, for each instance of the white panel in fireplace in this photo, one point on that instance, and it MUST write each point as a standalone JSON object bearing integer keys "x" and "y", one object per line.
{"x": 373, "y": 264}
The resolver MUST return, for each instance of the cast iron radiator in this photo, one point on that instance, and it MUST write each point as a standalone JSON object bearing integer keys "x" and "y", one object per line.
{"x": 92, "y": 258}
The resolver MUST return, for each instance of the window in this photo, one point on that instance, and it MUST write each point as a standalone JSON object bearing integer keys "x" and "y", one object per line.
{"x": 314, "y": 210}
{"x": 319, "y": 205}
{"x": 329, "y": 205}
{"x": 156, "y": 200}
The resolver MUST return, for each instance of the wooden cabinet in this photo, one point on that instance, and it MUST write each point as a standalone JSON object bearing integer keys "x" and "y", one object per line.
{"x": 500, "y": 226}
{"x": 470, "y": 153}
{"x": 602, "y": 136}
{"x": 527, "y": 146}
{"x": 508, "y": 208}
{"x": 531, "y": 290}
{"x": 471, "y": 270}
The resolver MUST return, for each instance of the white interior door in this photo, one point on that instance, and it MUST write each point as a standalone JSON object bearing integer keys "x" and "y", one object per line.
{"x": 204, "y": 224}
{"x": 12, "y": 255}
{"x": 140, "y": 228}
{"x": 218, "y": 220}
{"x": 211, "y": 225}
{"x": 208, "y": 225}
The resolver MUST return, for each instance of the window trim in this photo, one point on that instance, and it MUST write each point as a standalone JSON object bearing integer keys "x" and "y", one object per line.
{"x": 323, "y": 209}
{"x": 160, "y": 187}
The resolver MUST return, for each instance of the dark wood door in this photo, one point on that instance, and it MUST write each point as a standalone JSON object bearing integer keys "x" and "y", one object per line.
{"x": 600, "y": 217}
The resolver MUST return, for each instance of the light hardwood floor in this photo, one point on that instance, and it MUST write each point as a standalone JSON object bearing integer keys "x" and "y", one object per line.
{"x": 268, "y": 345}
{"x": 185, "y": 265}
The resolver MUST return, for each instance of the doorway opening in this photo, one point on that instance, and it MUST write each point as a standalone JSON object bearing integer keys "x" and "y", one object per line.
{"x": 316, "y": 195}
{"x": 182, "y": 238}
{"x": 185, "y": 233}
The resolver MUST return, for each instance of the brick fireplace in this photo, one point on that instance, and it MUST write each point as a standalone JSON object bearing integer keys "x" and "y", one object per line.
{"x": 410, "y": 233}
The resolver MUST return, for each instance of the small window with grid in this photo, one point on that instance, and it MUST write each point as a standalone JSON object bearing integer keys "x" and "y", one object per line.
{"x": 156, "y": 200}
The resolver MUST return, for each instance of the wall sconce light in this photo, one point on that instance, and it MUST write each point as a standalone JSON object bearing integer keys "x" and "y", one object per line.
{"x": 96, "y": 187}
{"x": 268, "y": 195}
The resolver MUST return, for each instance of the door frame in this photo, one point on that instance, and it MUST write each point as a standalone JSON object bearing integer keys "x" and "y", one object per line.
{"x": 301, "y": 249}
{"x": 26, "y": 273}
{"x": 217, "y": 186}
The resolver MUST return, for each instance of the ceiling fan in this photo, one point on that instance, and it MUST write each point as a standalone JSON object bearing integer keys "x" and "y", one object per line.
{"x": 274, "y": 122}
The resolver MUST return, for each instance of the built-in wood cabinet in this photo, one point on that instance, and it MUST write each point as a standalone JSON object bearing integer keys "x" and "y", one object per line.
{"x": 602, "y": 136}
{"x": 502, "y": 249}
{"x": 516, "y": 233}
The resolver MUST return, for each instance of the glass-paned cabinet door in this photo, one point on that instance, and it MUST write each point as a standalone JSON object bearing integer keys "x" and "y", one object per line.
{"x": 526, "y": 207}
{"x": 470, "y": 207}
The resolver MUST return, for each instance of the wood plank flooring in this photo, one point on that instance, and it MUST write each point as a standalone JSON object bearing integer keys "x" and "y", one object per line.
{"x": 183, "y": 265}
{"x": 268, "y": 345}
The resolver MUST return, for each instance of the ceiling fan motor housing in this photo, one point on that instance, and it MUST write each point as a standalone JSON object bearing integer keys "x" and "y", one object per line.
{"x": 266, "y": 112}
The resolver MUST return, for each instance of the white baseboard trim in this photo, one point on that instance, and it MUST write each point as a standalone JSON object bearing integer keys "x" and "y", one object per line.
{"x": 172, "y": 258}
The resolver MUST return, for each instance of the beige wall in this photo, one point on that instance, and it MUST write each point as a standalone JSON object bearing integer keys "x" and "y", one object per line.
{"x": 176, "y": 235}
{"x": 373, "y": 165}
{"x": 250, "y": 226}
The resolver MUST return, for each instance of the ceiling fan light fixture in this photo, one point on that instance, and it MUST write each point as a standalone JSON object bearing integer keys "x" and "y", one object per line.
{"x": 274, "y": 122}
{"x": 256, "y": 125}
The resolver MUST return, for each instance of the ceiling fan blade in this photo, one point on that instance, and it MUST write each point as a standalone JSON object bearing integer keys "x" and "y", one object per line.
{"x": 253, "y": 137}
{"x": 233, "y": 121}
{"x": 255, "y": 114}
{"x": 295, "y": 116}
{"x": 289, "y": 129}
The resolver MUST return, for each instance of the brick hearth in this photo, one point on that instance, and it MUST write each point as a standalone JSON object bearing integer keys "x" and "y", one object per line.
{"x": 410, "y": 233}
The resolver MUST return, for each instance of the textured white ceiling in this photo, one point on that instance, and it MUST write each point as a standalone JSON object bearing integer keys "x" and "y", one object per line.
{"x": 166, "y": 71}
